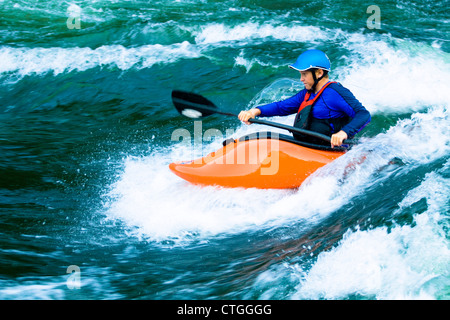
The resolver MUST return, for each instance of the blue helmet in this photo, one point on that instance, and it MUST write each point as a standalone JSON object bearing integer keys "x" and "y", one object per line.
{"x": 312, "y": 58}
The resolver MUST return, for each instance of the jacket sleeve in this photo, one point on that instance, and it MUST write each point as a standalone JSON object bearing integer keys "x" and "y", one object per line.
{"x": 284, "y": 107}
{"x": 347, "y": 103}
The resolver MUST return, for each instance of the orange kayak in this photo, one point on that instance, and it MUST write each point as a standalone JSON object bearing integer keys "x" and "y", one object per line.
{"x": 261, "y": 160}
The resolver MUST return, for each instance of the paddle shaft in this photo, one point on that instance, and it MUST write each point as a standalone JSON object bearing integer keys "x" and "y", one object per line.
{"x": 211, "y": 109}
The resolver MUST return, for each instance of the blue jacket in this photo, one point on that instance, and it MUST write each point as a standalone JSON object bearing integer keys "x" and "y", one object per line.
{"x": 335, "y": 101}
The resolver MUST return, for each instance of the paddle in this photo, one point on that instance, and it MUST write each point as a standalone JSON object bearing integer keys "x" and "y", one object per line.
{"x": 194, "y": 106}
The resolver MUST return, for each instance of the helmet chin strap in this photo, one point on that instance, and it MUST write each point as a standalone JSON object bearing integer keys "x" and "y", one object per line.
{"x": 316, "y": 80}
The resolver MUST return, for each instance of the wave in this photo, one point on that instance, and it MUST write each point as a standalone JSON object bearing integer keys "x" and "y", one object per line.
{"x": 28, "y": 61}
{"x": 402, "y": 262}
{"x": 215, "y": 33}
{"x": 386, "y": 73}
{"x": 144, "y": 191}
{"x": 25, "y": 61}
{"x": 395, "y": 75}
{"x": 400, "y": 259}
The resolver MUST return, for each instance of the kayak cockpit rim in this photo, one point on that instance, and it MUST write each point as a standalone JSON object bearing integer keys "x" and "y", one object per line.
{"x": 287, "y": 138}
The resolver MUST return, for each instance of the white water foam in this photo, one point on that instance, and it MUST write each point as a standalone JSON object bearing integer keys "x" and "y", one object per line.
{"x": 160, "y": 207}
{"x": 31, "y": 291}
{"x": 240, "y": 60}
{"x": 26, "y": 61}
{"x": 406, "y": 262}
{"x": 394, "y": 75}
{"x": 216, "y": 33}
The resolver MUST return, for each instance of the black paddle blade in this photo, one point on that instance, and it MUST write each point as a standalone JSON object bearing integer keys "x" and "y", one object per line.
{"x": 192, "y": 105}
